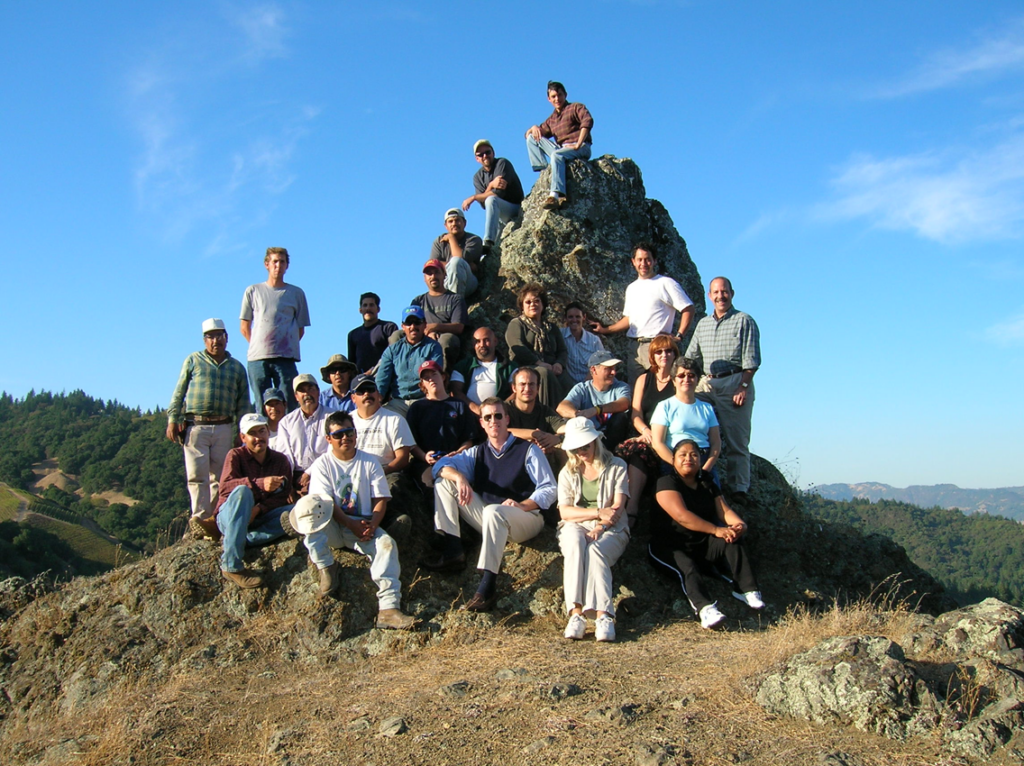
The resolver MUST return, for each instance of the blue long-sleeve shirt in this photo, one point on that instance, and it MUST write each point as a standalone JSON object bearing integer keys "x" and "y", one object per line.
{"x": 537, "y": 468}
{"x": 398, "y": 375}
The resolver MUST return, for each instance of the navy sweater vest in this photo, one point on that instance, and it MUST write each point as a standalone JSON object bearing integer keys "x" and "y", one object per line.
{"x": 496, "y": 479}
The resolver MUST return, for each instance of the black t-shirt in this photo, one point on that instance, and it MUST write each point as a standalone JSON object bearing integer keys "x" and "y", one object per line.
{"x": 699, "y": 501}
{"x": 367, "y": 344}
{"x": 441, "y": 426}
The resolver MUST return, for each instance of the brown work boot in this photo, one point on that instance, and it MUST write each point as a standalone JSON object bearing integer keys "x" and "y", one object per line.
{"x": 329, "y": 580}
{"x": 245, "y": 579}
{"x": 204, "y": 529}
{"x": 395, "y": 619}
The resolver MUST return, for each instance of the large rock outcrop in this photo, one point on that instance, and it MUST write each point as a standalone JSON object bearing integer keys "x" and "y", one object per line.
{"x": 582, "y": 251}
{"x": 963, "y": 680}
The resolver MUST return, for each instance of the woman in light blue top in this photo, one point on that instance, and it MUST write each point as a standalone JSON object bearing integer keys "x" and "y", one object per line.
{"x": 683, "y": 416}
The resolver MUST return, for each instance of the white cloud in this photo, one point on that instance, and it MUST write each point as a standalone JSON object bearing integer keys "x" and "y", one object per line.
{"x": 949, "y": 196}
{"x": 263, "y": 30}
{"x": 989, "y": 56}
{"x": 203, "y": 168}
{"x": 1008, "y": 332}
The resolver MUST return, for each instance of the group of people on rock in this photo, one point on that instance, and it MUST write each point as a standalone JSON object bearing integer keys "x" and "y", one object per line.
{"x": 481, "y": 433}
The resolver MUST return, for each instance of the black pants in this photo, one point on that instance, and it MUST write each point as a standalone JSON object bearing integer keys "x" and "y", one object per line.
{"x": 686, "y": 565}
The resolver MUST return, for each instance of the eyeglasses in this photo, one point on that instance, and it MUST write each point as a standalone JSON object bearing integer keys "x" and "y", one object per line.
{"x": 580, "y": 450}
{"x": 214, "y": 335}
{"x": 493, "y": 416}
{"x": 661, "y": 351}
{"x": 343, "y": 433}
{"x": 413, "y": 322}
{"x": 685, "y": 375}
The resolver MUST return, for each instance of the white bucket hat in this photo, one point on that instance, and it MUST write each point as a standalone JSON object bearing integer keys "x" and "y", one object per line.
{"x": 579, "y": 432}
{"x": 311, "y": 514}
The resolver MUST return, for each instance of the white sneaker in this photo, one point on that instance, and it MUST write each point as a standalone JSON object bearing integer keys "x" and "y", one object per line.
{"x": 604, "y": 628}
{"x": 576, "y": 628}
{"x": 752, "y": 599}
{"x": 710, "y": 616}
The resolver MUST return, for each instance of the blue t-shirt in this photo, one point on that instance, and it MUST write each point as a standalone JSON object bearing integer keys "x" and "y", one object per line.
{"x": 583, "y": 396}
{"x": 685, "y": 421}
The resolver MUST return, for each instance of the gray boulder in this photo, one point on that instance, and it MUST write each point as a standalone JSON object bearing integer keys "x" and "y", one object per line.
{"x": 582, "y": 251}
{"x": 860, "y": 681}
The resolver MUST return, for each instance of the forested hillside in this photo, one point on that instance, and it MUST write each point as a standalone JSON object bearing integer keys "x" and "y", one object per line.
{"x": 974, "y": 556}
{"x": 106, "y": 445}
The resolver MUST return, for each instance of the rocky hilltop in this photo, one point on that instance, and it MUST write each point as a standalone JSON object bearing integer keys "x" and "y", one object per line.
{"x": 162, "y": 661}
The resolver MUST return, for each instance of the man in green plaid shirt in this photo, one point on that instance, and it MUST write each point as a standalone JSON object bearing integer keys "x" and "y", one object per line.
{"x": 211, "y": 395}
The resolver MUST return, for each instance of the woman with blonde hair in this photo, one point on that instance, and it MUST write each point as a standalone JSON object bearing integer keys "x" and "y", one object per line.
{"x": 650, "y": 389}
{"x": 593, "y": 532}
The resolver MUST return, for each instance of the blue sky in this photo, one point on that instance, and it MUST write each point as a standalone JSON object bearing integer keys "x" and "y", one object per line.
{"x": 856, "y": 168}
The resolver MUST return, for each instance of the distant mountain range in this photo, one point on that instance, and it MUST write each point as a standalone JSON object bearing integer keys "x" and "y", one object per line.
{"x": 1004, "y": 501}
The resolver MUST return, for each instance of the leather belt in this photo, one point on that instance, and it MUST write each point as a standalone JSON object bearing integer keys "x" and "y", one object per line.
{"x": 200, "y": 420}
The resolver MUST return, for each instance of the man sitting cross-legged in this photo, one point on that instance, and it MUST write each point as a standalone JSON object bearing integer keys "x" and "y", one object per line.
{"x": 253, "y": 495}
{"x": 500, "y": 487}
{"x": 356, "y": 494}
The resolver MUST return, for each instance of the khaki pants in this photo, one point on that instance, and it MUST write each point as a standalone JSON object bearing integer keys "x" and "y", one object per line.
{"x": 205, "y": 449}
{"x": 497, "y": 523}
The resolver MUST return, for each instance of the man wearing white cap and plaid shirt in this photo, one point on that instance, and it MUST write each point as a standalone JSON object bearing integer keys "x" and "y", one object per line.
{"x": 211, "y": 395}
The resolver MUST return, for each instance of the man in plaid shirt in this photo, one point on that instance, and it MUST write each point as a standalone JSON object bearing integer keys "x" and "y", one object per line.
{"x": 563, "y": 136}
{"x": 727, "y": 345}
{"x": 211, "y": 396}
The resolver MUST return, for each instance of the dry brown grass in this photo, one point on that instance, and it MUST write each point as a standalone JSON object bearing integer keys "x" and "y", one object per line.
{"x": 690, "y": 690}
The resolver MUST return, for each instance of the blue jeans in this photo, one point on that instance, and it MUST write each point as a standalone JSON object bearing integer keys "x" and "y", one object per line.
{"x": 272, "y": 373}
{"x": 498, "y": 213}
{"x": 459, "y": 276}
{"x": 233, "y": 523}
{"x": 541, "y": 151}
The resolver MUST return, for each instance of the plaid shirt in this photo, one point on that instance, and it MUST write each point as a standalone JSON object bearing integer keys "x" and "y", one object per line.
{"x": 565, "y": 127}
{"x": 209, "y": 389}
{"x": 729, "y": 344}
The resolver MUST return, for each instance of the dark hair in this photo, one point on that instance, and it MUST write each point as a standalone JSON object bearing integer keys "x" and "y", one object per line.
{"x": 574, "y": 305}
{"x": 529, "y": 371}
{"x": 376, "y": 298}
{"x": 277, "y": 251}
{"x": 724, "y": 279}
{"x": 685, "y": 363}
{"x": 555, "y": 85}
{"x": 696, "y": 446}
{"x": 337, "y": 418}
{"x": 536, "y": 288}
{"x": 647, "y": 246}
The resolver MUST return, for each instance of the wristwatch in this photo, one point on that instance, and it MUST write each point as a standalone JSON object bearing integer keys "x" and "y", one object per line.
{"x": 744, "y": 385}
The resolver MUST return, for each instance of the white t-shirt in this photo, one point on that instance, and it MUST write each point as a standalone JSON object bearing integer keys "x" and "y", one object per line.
{"x": 352, "y": 484}
{"x": 651, "y": 305}
{"x": 382, "y": 434}
{"x": 484, "y": 382}
{"x": 277, "y": 315}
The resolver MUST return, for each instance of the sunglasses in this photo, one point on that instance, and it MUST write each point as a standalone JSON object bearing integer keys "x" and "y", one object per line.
{"x": 493, "y": 416}
{"x": 685, "y": 375}
{"x": 343, "y": 433}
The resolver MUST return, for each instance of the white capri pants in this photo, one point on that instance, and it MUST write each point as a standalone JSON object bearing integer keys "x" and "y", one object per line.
{"x": 587, "y": 571}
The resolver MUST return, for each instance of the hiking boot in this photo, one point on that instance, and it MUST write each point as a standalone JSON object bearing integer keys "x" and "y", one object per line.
{"x": 604, "y": 628}
{"x": 245, "y": 579}
{"x": 329, "y": 579}
{"x": 576, "y": 628}
{"x": 488, "y": 246}
{"x": 441, "y": 564}
{"x": 204, "y": 529}
{"x": 562, "y": 202}
{"x": 551, "y": 203}
{"x": 286, "y": 525}
{"x": 752, "y": 599}
{"x": 479, "y": 603}
{"x": 395, "y": 619}
{"x": 400, "y": 528}
{"x": 710, "y": 617}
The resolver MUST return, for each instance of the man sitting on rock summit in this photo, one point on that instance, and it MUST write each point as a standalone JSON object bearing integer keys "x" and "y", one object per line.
{"x": 563, "y": 136}
{"x": 498, "y": 190}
